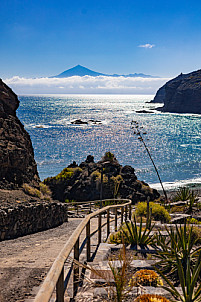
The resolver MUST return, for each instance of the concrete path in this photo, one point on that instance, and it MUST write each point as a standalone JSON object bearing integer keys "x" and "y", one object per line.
{"x": 25, "y": 261}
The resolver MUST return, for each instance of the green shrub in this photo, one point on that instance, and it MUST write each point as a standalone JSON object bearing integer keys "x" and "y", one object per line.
{"x": 151, "y": 298}
{"x": 195, "y": 235}
{"x": 31, "y": 191}
{"x": 108, "y": 156}
{"x": 185, "y": 194}
{"x": 116, "y": 184}
{"x": 176, "y": 209}
{"x": 45, "y": 189}
{"x": 182, "y": 194}
{"x": 192, "y": 221}
{"x": 146, "y": 277}
{"x": 159, "y": 213}
{"x": 70, "y": 201}
{"x": 67, "y": 173}
{"x": 179, "y": 244}
{"x": 96, "y": 175}
{"x": 133, "y": 235}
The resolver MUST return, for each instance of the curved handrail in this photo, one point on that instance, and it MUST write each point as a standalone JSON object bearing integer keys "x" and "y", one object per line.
{"x": 53, "y": 275}
{"x": 94, "y": 201}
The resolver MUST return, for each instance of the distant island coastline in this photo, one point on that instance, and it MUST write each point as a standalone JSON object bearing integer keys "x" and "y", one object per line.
{"x": 82, "y": 71}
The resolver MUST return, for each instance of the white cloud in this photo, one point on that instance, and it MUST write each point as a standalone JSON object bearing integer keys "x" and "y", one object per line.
{"x": 147, "y": 45}
{"x": 86, "y": 84}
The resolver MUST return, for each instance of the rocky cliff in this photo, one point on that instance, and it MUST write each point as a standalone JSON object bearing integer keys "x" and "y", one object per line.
{"x": 181, "y": 94}
{"x": 83, "y": 182}
{"x": 17, "y": 164}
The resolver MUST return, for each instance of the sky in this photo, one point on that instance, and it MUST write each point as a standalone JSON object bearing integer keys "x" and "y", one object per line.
{"x": 44, "y": 38}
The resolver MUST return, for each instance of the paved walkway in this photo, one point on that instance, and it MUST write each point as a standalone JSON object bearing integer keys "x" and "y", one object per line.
{"x": 25, "y": 261}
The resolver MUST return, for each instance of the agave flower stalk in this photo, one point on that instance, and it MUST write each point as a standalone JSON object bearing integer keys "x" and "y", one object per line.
{"x": 140, "y": 137}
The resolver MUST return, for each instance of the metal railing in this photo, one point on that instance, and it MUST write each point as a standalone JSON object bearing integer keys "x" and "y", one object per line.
{"x": 55, "y": 277}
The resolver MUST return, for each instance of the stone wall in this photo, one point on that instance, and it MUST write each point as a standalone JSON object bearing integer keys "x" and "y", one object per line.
{"x": 26, "y": 219}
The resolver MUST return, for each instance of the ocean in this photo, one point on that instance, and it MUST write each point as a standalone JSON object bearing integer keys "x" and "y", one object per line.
{"x": 173, "y": 139}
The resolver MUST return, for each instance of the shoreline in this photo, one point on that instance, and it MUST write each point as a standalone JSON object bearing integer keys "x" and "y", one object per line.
{"x": 194, "y": 184}
{"x": 171, "y": 191}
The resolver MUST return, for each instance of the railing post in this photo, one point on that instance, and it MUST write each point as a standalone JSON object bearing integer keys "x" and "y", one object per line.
{"x": 88, "y": 241}
{"x": 60, "y": 287}
{"x": 108, "y": 222}
{"x": 99, "y": 228}
{"x": 115, "y": 224}
{"x": 90, "y": 207}
{"x": 76, "y": 268}
{"x": 67, "y": 213}
{"x": 126, "y": 213}
{"x": 130, "y": 211}
{"x": 77, "y": 209}
{"x": 122, "y": 215}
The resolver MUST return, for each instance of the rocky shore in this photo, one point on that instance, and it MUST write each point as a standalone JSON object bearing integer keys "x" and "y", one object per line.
{"x": 86, "y": 181}
{"x": 23, "y": 207}
{"x": 181, "y": 94}
{"x": 17, "y": 164}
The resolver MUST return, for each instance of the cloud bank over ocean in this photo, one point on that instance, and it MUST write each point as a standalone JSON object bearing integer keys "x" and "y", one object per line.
{"x": 85, "y": 85}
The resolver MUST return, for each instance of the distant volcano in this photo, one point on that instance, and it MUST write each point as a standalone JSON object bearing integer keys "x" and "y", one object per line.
{"x": 83, "y": 71}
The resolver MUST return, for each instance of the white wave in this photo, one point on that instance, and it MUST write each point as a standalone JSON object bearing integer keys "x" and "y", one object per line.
{"x": 177, "y": 184}
{"x": 37, "y": 126}
{"x": 49, "y": 162}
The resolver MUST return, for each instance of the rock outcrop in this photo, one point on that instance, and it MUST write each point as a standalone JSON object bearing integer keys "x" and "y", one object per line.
{"x": 83, "y": 182}
{"x": 181, "y": 94}
{"x": 17, "y": 164}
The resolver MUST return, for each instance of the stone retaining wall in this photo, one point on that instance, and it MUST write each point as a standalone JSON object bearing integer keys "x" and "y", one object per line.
{"x": 26, "y": 219}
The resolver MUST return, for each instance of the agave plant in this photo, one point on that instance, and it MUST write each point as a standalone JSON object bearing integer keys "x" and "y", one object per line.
{"x": 188, "y": 279}
{"x": 183, "y": 194}
{"x": 179, "y": 244}
{"x": 192, "y": 201}
{"x": 135, "y": 235}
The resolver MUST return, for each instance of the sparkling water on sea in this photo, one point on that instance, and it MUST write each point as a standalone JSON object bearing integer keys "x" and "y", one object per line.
{"x": 173, "y": 139}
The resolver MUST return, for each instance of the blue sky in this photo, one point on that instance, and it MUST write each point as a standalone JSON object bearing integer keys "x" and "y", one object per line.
{"x": 43, "y": 38}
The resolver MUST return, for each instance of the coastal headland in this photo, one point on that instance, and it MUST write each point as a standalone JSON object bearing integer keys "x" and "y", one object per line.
{"x": 181, "y": 94}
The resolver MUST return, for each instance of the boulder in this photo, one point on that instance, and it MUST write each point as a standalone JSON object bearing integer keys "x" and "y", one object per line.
{"x": 79, "y": 122}
{"x": 17, "y": 164}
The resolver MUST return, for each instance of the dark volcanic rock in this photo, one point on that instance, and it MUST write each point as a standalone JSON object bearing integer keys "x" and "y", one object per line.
{"x": 79, "y": 122}
{"x": 182, "y": 94}
{"x": 143, "y": 111}
{"x": 17, "y": 164}
{"x": 83, "y": 183}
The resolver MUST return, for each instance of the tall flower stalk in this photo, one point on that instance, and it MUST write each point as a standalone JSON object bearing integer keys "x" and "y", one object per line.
{"x": 137, "y": 132}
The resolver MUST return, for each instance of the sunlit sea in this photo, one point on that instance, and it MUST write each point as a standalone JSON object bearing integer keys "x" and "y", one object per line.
{"x": 174, "y": 140}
